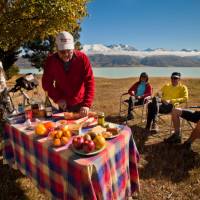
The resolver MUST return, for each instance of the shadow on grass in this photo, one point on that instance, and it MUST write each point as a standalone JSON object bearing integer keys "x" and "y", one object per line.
{"x": 170, "y": 161}
{"x": 9, "y": 188}
{"x": 139, "y": 134}
{"x": 161, "y": 160}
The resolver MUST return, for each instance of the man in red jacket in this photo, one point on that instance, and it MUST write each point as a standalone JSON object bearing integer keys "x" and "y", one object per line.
{"x": 68, "y": 77}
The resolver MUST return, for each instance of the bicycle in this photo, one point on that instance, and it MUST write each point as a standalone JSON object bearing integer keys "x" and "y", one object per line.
{"x": 25, "y": 83}
{"x": 7, "y": 106}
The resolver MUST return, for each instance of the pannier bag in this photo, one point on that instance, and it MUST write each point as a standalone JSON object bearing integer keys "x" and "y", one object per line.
{"x": 28, "y": 82}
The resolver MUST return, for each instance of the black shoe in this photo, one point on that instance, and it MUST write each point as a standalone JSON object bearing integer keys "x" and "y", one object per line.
{"x": 187, "y": 145}
{"x": 173, "y": 139}
{"x": 130, "y": 116}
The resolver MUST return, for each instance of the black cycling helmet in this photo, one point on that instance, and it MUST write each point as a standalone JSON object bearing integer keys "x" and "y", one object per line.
{"x": 144, "y": 74}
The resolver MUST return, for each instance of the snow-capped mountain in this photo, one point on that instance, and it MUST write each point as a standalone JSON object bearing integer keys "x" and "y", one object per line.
{"x": 95, "y": 48}
{"x": 121, "y": 49}
{"x": 125, "y": 55}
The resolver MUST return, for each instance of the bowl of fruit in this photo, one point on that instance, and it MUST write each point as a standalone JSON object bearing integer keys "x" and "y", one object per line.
{"x": 60, "y": 136}
{"x": 87, "y": 145}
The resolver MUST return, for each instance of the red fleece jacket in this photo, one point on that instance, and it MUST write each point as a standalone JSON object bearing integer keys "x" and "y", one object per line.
{"x": 75, "y": 86}
{"x": 148, "y": 90}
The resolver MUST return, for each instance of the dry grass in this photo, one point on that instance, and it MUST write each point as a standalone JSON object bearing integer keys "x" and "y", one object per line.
{"x": 166, "y": 172}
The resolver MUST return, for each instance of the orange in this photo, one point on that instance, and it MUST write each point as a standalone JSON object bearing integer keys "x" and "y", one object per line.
{"x": 49, "y": 125}
{"x": 67, "y": 133}
{"x": 59, "y": 134}
{"x": 57, "y": 142}
{"x": 53, "y": 134}
{"x": 64, "y": 127}
{"x": 64, "y": 140}
{"x": 40, "y": 129}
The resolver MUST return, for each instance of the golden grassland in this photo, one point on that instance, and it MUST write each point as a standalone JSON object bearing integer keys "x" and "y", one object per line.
{"x": 166, "y": 171}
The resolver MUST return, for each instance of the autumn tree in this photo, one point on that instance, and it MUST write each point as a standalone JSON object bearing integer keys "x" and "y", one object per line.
{"x": 26, "y": 20}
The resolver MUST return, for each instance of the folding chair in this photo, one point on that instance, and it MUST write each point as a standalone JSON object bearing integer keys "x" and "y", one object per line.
{"x": 123, "y": 108}
{"x": 164, "y": 120}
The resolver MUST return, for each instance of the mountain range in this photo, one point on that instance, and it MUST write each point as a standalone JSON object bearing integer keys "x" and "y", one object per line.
{"x": 125, "y": 55}
{"x": 121, "y": 55}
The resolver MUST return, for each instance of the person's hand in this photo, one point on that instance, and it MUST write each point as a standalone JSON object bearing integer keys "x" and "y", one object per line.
{"x": 84, "y": 111}
{"x": 62, "y": 104}
{"x": 138, "y": 97}
{"x": 159, "y": 94}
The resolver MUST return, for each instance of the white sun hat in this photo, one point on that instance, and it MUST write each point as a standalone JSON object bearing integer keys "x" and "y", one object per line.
{"x": 64, "y": 41}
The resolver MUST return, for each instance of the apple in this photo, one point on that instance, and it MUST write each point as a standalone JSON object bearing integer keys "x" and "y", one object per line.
{"x": 78, "y": 142}
{"x": 88, "y": 146}
{"x": 87, "y": 137}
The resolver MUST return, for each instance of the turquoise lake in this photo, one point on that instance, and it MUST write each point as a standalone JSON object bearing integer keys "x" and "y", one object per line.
{"x": 125, "y": 72}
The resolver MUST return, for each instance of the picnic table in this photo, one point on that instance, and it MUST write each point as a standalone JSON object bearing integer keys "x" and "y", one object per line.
{"x": 63, "y": 174}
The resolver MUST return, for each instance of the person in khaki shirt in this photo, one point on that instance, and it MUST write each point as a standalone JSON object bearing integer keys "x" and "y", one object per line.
{"x": 171, "y": 95}
{"x": 189, "y": 115}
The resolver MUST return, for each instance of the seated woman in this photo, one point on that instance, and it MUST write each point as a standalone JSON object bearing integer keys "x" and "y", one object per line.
{"x": 138, "y": 91}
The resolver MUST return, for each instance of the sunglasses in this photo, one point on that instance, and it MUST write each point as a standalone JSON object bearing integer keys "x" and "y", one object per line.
{"x": 65, "y": 51}
{"x": 175, "y": 78}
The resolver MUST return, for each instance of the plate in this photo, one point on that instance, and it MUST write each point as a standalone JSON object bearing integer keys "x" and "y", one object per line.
{"x": 113, "y": 136}
{"x": 118, "y": 129}
{"x": 82, "y": 153}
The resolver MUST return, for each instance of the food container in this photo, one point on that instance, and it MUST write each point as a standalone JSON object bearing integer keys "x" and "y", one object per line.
{"x": 41, "y": 113}
{"x": 35, "y": 110}
{"x": 20, "y": 108}
{"x": 101, "y": 118}
{"x": 28, "y": 114}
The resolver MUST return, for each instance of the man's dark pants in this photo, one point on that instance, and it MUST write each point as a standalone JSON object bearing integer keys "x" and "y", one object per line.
{"x": 156, "y": 107}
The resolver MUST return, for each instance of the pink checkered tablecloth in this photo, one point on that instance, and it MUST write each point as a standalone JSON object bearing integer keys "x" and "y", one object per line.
{"x": 62, "y": 174}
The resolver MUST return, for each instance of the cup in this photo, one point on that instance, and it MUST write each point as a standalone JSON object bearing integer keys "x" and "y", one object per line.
{"x": 28, "y": 114}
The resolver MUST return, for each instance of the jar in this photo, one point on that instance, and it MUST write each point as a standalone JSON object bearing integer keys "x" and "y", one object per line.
{"x": 20, "y": 108}
{"x": 35, "y": 109}
{"x": 101, "y": 118}
{"x": 48, "y": 112}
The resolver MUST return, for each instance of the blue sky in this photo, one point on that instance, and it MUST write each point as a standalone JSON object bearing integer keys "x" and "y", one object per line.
{"x": 171, "y": 24}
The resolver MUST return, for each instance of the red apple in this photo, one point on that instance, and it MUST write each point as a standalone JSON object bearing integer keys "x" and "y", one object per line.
{"x": 78, "y": 142}
{"x": 88, "y": 146}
